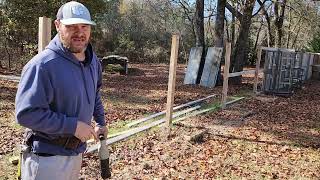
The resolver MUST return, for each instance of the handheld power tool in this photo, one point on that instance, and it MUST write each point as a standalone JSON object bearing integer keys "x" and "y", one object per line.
{"x": 104, "y": 158}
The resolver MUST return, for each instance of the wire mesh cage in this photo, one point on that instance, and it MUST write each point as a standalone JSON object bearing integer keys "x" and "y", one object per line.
{"x": 283, "y": 71}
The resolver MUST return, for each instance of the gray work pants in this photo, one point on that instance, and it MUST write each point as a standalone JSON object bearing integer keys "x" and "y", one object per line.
{"x": 34, "y": 167}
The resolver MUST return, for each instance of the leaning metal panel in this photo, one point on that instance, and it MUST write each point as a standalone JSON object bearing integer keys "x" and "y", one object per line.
{"x": 193, "y": 65}
{"x": 211, "y": 67}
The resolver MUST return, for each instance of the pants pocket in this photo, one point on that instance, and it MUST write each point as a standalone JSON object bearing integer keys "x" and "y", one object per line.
{"x": 29, "y": 166}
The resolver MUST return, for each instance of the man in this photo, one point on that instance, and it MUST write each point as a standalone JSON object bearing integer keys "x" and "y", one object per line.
{"x": 57, "y": 97}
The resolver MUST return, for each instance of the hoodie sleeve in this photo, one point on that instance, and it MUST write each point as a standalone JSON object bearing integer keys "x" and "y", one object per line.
{"x": 98, "y": 108}
{"x": 32, "y": 104}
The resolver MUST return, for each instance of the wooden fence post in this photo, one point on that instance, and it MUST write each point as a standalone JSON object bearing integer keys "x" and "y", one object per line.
{"x": 44, "y": 33}
{"x": 256, "y": 74}
{"x": 226, "y": 75}
{"x": 172, "y": 80}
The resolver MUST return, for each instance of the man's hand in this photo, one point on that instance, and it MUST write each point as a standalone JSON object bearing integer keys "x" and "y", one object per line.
{"x": 84, "y": 131}
{"x": 101, "y": 130}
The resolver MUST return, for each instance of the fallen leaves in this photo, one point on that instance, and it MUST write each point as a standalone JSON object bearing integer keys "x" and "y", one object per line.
{"x": 279, "y": 140}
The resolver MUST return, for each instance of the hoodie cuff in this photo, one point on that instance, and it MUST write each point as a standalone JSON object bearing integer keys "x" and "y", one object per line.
{"x": 100, "y": 121}
{"x": 71, "y": 125}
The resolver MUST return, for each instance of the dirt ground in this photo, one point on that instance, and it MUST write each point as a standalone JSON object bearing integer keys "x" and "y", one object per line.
{"x": 263, "y": 137}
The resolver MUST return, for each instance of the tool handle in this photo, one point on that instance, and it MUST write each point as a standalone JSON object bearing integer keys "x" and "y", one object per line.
{"x": 104, "y": 162}
{"x": 105, "y": 169}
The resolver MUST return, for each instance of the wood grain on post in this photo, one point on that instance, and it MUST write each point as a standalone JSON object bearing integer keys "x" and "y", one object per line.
{"x": 256, "y": 74}
{"x": 44, "y": 33}
{"x": 226, "y": 75}
{"x": 172, "y": 79}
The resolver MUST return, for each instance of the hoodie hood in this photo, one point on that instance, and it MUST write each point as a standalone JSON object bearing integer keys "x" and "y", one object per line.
{"x": 57, "y": 46}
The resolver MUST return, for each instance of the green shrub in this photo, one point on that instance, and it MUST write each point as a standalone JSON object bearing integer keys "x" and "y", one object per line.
{"x": 314, "y": 44}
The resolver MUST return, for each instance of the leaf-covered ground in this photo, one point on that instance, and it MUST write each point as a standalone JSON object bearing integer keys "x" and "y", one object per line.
{"x": 261, "y": 137}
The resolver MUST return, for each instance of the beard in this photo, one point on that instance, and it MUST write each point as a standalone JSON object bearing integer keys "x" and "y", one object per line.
{"x": 68, "y": 43}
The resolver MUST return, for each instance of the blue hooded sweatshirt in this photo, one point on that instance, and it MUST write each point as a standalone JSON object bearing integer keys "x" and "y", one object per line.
{"x": 55, "y": 91}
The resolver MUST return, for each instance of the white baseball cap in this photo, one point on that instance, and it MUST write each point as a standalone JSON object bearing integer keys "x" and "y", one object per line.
{"x": 74, "y": 13}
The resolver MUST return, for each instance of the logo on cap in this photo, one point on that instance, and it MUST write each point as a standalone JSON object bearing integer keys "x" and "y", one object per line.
{"x": 77, "y": 10}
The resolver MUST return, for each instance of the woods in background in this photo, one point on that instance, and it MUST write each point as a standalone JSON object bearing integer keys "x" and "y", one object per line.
{"x": 141, "y": 29}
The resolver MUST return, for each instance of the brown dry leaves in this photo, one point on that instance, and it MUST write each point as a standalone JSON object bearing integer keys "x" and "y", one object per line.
{"x": 258, "y": 146}
{"x": 279, "y": 140}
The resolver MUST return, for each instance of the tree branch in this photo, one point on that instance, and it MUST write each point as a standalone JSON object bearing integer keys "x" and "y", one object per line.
{"x": 261, "y": 6}
{"x": 264, "y": 11}
{"x": 185, "y": 9}
{"x": 234, "y": 11}
{"x": 210, "y": 15}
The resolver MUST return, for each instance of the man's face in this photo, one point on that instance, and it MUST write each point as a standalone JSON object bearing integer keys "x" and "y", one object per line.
{"x": 74, "y": 37}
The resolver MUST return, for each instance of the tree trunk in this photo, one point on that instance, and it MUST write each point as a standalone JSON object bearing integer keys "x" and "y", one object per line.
{"x": 228, "y": 36}
{"x": 295, "y": 39}
{"x": 241, "y": 49}
{"x": 219, "y": 26}
{"x": 270, "y": 34}
{"x": 6, "y": 46}
{"x": 219, "y": 32}
{"x": 289, "y": 29}
{"x": 258, "y": 35}
{"x": 298, "y": 25}
{"x": 233, "y": 30}
{"x": 199, "y": 23}
{"x": 199, "y": 34}
{"x": 279, "y": 20}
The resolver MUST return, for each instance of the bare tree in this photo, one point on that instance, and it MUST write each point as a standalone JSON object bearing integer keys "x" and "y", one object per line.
{"x": 198, "y": 24}
{"x": 219, "y": 31}
{"x": 268, "y": 19}
{"x": 240, "y": 52}
{"x": 279, "y": 9}
{"x": 219, "y": 25}
{"x": 241, "y": 48}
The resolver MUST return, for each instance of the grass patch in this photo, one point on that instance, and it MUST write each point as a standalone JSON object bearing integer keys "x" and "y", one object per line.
{"x": 217, "y": 102}
{"x": 243, "y": 93}
{"x": 120, "y": 127}
{"x": 117, "y": 127}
